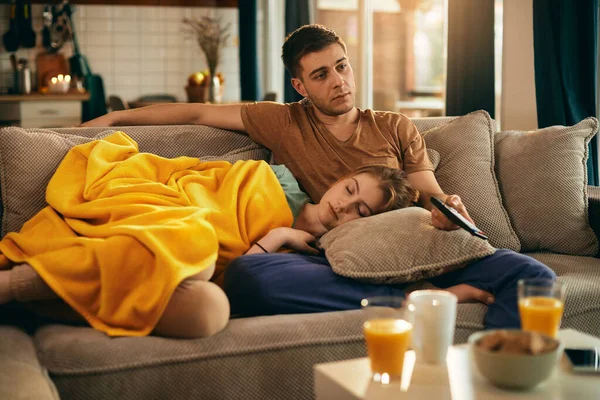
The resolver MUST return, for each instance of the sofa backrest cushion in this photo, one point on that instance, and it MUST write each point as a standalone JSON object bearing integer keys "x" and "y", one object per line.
{"x": 543, "y": 178}
{"x": 29, "y": 157}
{"x": 466, "y": 168}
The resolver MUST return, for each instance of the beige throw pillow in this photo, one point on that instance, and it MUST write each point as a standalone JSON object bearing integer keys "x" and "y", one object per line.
{"x": 399, "y": 246}
{"x": 543, "y": 178}
{"x": 466, "y": 168}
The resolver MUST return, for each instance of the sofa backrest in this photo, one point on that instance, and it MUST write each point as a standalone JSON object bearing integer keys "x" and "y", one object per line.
{"x": 29, "y": 157}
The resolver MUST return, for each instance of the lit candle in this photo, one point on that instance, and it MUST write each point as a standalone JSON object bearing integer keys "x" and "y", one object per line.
{"x": 59, "y": 84}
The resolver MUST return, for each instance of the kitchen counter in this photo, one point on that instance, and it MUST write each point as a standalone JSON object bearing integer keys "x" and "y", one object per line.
{"x": 11, "y": 98}
{"x": 38, "y": 110}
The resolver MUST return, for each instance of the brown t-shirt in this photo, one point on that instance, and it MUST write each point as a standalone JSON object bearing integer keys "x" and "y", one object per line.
{"x": 317, "y": 159}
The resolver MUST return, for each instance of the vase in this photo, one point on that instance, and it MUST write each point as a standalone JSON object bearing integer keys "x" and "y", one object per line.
{"x": 212, "y": 89}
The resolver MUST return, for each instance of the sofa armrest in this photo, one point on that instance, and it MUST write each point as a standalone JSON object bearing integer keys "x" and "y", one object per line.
{"x": 22, "y": 376}
{"x": 594, "y": 208}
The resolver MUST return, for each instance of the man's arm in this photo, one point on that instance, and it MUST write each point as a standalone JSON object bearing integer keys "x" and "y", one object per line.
{"x": 426, "y": 184}
{"x": 217, "y": 115}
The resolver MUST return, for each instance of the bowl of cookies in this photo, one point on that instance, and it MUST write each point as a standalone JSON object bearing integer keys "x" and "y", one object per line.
{"x": 514, "y": 359}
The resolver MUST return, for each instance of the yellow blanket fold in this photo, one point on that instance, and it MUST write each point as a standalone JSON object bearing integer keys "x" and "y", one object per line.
{"x": 124, "y": 228}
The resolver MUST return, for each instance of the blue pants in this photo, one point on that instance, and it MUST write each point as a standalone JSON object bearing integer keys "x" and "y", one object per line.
{"x": 267, "y": 284}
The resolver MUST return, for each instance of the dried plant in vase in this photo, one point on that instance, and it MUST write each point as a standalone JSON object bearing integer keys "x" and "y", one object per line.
{"x": 211, "y": 35}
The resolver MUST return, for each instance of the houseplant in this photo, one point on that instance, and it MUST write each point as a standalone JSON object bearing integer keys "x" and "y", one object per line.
{"x": 211, "y": 35}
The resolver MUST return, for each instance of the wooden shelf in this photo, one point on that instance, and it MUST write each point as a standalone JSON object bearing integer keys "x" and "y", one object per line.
{"x": 13, "y": 98}
{"x": 179, "y": 3}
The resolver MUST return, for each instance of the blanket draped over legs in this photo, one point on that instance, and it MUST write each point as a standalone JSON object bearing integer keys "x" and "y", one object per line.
{"x": 123, "y": 229}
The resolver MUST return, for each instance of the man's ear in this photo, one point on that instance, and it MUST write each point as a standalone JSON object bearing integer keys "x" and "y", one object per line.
{"x": 299, "y": 86}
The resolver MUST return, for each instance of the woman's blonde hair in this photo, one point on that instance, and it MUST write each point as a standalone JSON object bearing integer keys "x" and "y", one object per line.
{"x": 397, "y": 192}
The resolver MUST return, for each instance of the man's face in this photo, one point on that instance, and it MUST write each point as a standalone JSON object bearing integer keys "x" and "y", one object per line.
{"x": 327, "y": 80}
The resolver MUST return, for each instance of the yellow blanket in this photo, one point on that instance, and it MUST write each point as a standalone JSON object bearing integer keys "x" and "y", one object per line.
{"x": 124, "y": 228}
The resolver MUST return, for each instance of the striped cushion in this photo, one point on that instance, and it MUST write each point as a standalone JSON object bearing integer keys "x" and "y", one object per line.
{"x": 543, "y": 177}
{"x": 466, "y": 168}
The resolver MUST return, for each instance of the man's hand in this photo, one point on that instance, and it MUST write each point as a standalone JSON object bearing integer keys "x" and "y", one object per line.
{"x": 440, "y": 221}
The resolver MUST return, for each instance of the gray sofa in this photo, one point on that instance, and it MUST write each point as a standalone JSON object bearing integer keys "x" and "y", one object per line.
{"x": 267, "y": 357}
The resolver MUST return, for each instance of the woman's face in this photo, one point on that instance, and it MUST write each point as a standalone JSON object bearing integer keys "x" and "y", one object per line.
{"x": 349, "y": 199}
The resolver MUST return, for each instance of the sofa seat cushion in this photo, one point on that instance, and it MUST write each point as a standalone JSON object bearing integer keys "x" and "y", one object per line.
{"x": 581, "y": 276}
{"x": 253, "y": 358}
{"x": 21, "y": 375}
{"x": 41, "y": 150}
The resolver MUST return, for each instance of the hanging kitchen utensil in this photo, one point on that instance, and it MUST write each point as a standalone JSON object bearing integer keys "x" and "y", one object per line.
{"x": 46, "y": 34}
{"x": 26, "y": 32}
{"x": 13, "y": 64}
{"x": 80, "y": 67}
{"x": 60, "y": 30}
{"x": 11, "y": 38}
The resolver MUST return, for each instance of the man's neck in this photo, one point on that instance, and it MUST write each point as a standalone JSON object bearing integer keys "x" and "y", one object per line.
{"x": 349, "y": 118}
{"x": 341, "y": 126}
{"x": 308, "y": 220}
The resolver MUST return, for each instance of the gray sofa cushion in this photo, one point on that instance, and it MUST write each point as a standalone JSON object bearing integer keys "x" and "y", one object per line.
{"x": 21, "y": 375}
{"x": 543, "y": 178}
{"x": 581, "y": 276}
{"x": 29, "y": 157}
{"x": 254, "y": 358}
{"x": 466, "y": 147}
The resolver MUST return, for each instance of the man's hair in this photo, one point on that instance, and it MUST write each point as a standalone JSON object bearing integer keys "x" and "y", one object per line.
{"x": 397, "y": 192}
{"x": 304, "y": 40}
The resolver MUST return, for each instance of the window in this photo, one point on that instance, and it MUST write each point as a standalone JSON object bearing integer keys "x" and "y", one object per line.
{"x": 408, "y": 51}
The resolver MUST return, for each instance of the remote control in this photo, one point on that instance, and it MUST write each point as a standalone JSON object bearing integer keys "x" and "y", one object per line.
{"x": 458, "y": 219}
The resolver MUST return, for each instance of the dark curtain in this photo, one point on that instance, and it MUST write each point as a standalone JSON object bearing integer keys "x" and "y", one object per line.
{"x": 296, "y": 15}
{"x": 565, "y": 36}
{"x": 470, "y": 76}
{"x": 249, "y": 75}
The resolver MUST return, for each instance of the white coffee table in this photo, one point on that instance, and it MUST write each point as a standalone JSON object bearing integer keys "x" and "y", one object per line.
{"x": 460, "y": 380}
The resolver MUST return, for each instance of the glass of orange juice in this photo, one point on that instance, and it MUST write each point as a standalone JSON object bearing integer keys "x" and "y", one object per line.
{"x": 387, "y": 335}
{"x": 541, "y": 303}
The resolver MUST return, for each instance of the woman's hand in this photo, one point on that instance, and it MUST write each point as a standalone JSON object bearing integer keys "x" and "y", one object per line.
{"x": 440, "y": 221}
{"x": 291, "y": 238}
{"x": 300, "y": 241}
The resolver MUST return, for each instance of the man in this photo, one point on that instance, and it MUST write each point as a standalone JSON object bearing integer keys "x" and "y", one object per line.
{"x": 320, "y": 139}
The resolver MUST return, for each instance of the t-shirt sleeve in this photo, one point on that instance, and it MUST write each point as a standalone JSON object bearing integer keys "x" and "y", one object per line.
{"x": 412, "y": 145}
{"x": 265, "y": 122}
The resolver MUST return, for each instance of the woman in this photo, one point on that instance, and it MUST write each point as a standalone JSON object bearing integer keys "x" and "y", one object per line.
{"x": 131, "y": 240}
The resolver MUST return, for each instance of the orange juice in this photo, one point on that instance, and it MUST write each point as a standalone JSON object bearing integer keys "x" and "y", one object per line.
{"x": 541, "y": 314}
{"x": 387, "y": 341}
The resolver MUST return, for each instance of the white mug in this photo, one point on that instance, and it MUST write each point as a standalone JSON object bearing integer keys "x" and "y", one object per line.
{"x": 433, "y": 316}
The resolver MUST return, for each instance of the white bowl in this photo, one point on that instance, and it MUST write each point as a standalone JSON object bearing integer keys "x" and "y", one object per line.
{"x": 514, "y": 371}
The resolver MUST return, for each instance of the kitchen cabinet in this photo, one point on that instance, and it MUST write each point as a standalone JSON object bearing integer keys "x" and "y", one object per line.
{"x": 41, "y": 110}
{"x": 180, "y": 3}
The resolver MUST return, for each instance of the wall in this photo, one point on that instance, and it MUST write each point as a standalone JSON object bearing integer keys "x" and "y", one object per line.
{"x": 138, "y": 50}
{"x": 519, "y": 110}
